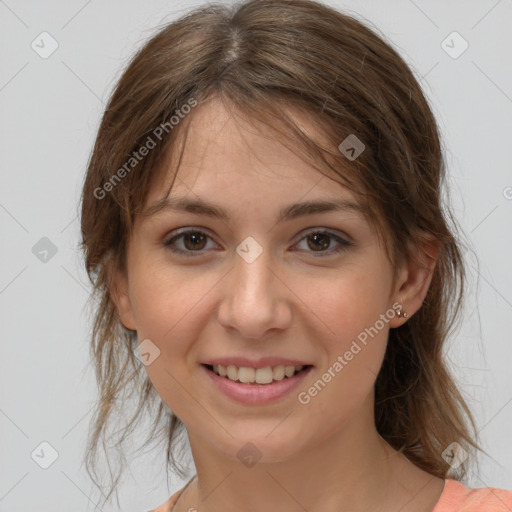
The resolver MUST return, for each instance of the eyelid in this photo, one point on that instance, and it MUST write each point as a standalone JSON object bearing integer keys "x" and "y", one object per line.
{"x": 181, "y": 231}
{"x": 206, "y": 231}
{"x": 343, "y": 240}
{"x": 325, "y": 229}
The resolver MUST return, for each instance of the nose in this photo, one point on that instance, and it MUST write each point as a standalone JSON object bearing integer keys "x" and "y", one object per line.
{"x": 255, "y": 299}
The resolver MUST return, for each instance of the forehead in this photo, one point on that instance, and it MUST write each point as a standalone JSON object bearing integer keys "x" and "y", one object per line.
{"x": 228, "y": 156}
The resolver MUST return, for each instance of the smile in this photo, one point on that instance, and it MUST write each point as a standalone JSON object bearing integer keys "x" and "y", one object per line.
{"x": 253, "y": 392}
{"x": 248, "y": 375}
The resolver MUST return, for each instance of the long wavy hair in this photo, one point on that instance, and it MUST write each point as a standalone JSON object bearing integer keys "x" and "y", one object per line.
{"x": 266, "y": 59}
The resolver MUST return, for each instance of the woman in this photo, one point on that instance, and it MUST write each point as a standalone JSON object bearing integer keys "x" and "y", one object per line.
{"x": 262, "y": 222}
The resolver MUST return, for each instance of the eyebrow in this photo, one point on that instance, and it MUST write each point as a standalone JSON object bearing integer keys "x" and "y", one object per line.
{"x": 289, "y": 212}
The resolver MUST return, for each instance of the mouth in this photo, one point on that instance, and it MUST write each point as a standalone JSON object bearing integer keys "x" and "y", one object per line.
{"x": 260, "y": 376}
{"x": 255, "y": 386}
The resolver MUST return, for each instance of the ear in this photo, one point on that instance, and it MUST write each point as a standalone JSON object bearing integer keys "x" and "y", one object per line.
{"x": 415, "y": 277}
{"x": 119, "y": 292}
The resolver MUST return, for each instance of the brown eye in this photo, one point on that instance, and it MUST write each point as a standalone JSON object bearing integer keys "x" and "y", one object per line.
{"x": 321, "y": 241}
{"x": 193, "y": 242}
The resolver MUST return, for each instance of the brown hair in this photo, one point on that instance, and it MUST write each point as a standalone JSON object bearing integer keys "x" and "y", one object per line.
{"x": 267, "y": 59}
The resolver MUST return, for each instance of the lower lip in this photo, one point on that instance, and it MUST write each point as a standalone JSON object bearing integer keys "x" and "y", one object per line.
{"x": 256, "y": 393}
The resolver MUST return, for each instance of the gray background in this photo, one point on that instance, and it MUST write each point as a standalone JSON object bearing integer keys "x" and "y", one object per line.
{"x": 50, "y": 109}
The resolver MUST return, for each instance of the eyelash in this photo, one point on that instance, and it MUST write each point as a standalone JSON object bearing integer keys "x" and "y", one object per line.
{"x": 344, "y": 244}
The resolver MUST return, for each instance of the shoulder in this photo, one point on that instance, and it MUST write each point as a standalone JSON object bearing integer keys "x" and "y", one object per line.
{"x": 457, "y": 497}
{"x": 167, "y": 506}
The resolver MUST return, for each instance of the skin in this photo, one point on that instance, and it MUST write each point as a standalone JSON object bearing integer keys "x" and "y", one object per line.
{"x": 287, "y": 303}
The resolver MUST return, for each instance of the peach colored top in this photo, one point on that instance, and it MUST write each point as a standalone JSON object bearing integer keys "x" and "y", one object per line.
{"x": 456, "y": 497}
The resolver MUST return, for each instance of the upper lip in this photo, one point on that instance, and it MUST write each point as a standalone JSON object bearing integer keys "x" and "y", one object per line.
{"x": 262, "y": 362}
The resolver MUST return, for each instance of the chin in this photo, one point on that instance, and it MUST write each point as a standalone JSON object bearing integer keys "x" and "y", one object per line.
{"x": 260, "y": 447}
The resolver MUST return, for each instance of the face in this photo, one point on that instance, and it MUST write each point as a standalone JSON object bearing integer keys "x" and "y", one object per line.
{"x": 306, "y": 288}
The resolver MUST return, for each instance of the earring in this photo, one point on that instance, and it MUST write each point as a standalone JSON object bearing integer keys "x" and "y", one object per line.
{"x": 400, "y": 314}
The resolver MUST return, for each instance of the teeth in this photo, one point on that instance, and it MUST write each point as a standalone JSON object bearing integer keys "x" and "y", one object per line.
{"x": 259, "y": 376}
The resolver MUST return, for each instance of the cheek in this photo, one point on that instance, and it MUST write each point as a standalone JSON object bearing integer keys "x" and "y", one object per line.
{"x": 172, "y": 307}
{"x": 352, "y": 360}
{"x": 162, "y": 296}
{"x": 346, "y": 304}
{"x": 354, "y": 326}
{"x": 167, "y": 308}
